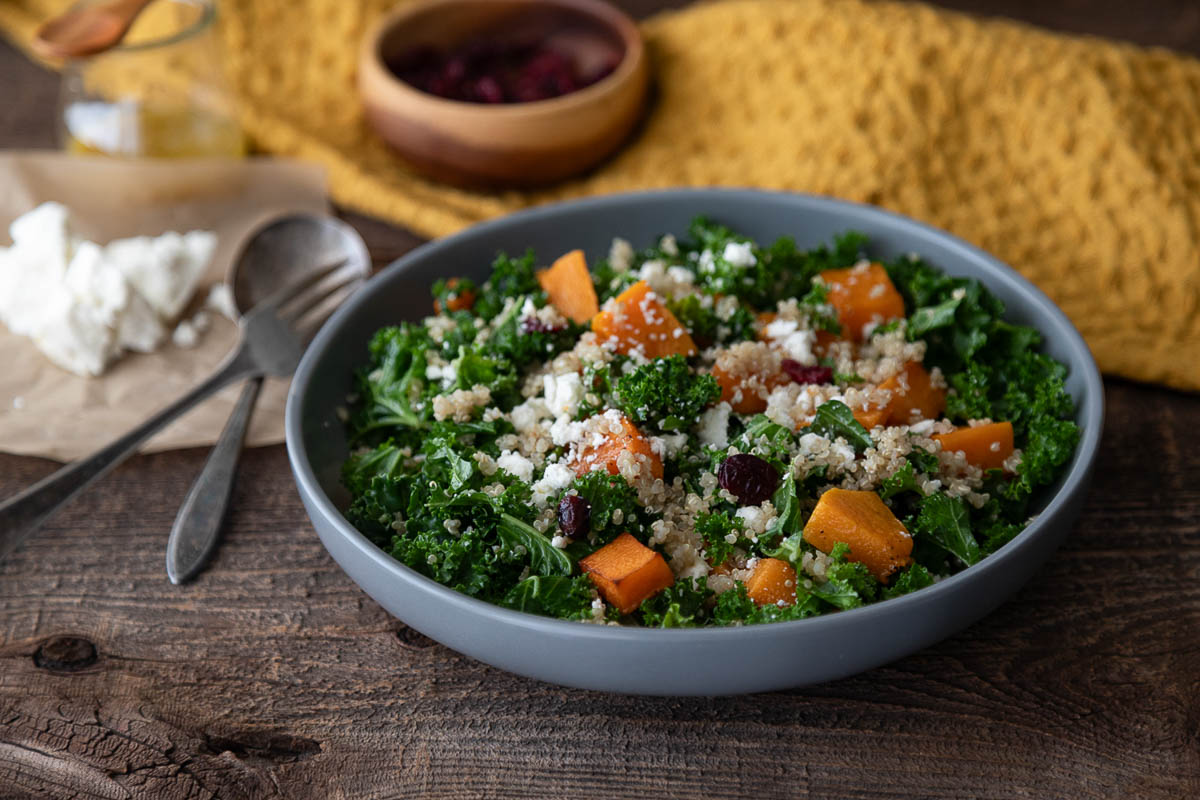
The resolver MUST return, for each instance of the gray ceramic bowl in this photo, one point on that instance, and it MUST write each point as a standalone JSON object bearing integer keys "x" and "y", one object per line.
{"x": 670, "y": 662}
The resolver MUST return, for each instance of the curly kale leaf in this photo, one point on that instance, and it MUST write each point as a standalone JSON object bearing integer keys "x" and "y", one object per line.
{"x": 552, "y": 596}
{"x": 767, "y": 439}
{"x": 376, "y": 479}
{"x": 544, "y": 558}
{"x": 706, "y": 327}
{"x": 610, "y": 498}
{"x": 715, "y": 528}
{"x": 944, "y": 521}
{"x": 734, "y": 607}
{"x": 515, "y": 339}
{"x": 834, "y": 418}
{"x": 910, "y": 580}
{"x": 681, "y": 605}
{"x": 510, "y": 278}
{"x": 393, "y": 384}
{"x": 849, "y": 584}
{"x": 666, "y": 394}
{"x": 778, "y": 270}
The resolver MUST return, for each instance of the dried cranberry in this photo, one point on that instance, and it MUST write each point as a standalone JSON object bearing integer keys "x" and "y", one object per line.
{"x": 494, "y": 72}
{"x": 802, "y": 374}
{"x": 488, "y": 90}
{"x": 574, "y": 516}
{"x": 750, "y": 479}
{"x": 535, "y": 325}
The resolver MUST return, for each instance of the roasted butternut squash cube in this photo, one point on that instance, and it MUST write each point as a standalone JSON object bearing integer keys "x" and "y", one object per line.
{"x": 773, "y": 583}
{"x": 985, "y": 446}
{"x": 606, "y": 453}
{"x": 863, "y": 522}
{"x": 569, "y": 285}
{"x": 914, "y": 397}
{"x": 861, "y": 295}
{"x": 627, "y": 573}
{"x": 637, "y": 320}
{"x": 456, "y": 301}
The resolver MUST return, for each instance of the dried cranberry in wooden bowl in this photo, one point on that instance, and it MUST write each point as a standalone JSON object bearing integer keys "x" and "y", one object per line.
{"x": 503, "y": 93}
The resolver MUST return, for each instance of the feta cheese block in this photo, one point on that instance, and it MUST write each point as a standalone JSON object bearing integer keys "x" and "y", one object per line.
{"x": 84, "y": 304}
{"x": 164, "y": 269}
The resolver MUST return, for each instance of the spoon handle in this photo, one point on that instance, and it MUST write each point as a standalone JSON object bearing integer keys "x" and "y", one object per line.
{"x": 23, "y": 513}
{"x": 198, "y": 524}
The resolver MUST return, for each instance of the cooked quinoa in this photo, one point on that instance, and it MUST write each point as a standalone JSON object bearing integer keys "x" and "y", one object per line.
{"x": 685, "y": 448}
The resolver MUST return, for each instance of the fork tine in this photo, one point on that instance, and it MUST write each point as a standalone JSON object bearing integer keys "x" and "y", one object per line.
{"x": 291, "y": 290}
{"x": 316, "y": 296}
{"x": 307, "y": 325}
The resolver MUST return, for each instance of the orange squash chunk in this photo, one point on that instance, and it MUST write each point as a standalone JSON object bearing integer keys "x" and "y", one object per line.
{"x": 747, "y": 372}
{"x": 569, "y": 286}
{"x": 764, "y": 318}
{"x": 870, "y": 417}
{"x": 985, "y": 446}
{"x": 862, "y": 521}
{"x": 920, "y": 400}
{"x": 460, "y": 301}
{"x": 773, "y": 583}
{"x": 638, "y": 320}
{"x": 749, "y": 390}
{"x": 861, "y": 295}
{"x": 626, "y": 572}
{"x": 606, "y": 453}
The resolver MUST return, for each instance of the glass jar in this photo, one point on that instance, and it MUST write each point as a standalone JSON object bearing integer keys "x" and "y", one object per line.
{"x": 160, "y": 94}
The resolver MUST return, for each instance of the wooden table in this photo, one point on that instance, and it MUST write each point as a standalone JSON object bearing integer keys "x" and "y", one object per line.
{"x": 275, "y": 676}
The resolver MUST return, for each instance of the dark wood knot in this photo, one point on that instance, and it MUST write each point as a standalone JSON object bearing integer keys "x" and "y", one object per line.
{"x": 65, "y": 654}
{"x": 412, "y": 639}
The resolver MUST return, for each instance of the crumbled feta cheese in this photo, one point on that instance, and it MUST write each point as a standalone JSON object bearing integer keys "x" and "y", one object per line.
{"x": 714, "y": 425}
{"x": 164, "y": 269}
{"x": 620, "y": 255}
{"x": 558, "y": 476}
{"x": 563, "y": 393}
{"x": 220, "y": 300}
{"x": 516, "y": 465}
{"x": 739, "y": 254}
{"x": 83, "y": 304}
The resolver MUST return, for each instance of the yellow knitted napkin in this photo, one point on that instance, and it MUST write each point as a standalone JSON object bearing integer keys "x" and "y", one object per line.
{"x": 1075, "y": 160}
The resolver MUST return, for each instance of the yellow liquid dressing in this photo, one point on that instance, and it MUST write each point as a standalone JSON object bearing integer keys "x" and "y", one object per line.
{"x": 130, "y": 130}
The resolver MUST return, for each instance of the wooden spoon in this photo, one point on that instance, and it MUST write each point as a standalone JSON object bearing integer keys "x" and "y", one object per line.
{"x": 85, "y": 30}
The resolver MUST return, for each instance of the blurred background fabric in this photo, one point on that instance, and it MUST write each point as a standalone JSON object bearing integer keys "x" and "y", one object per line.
{"x": 1075, "y": 160}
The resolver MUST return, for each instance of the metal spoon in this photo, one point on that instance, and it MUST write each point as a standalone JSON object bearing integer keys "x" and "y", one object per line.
{"x": 281, "y": 249}
{"x": 84, "y": 30}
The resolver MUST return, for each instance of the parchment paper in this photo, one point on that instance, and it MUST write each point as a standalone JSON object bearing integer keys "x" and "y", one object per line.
{"x": 49, "y": 412}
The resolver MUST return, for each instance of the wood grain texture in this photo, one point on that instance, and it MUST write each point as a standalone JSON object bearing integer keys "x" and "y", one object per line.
{"x": 274, "y": 676}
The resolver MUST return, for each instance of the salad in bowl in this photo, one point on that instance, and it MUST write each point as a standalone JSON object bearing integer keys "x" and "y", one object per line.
{"x": 708, "y": 431}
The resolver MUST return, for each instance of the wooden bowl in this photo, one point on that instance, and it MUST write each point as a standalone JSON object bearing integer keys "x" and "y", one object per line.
{"x": 511, "y": 144}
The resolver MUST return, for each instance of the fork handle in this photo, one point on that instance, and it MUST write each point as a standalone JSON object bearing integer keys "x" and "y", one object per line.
{"x": 23, "y": 513}
{"x": 198, "y": 523}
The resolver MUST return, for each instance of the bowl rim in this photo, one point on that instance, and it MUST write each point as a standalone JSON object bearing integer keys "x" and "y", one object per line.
{"x": 371, "y": 63}
{"x": 1073, "y": 481}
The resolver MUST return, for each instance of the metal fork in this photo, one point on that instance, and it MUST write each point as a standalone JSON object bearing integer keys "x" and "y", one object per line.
{"x": 271, "y": 341}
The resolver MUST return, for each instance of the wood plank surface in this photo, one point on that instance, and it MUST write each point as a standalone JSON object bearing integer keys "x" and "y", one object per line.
{"x": 274, "y": 676}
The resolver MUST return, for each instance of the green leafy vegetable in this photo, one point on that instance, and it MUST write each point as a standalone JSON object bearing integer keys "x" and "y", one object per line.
{"x": 849, "y": 584}
{"x": 511, "y": 278}
{"x": 666, "y": 394}
{"x": 714, "y": 528}
{"x": 681, "y": 605}
{"x": 544, "y": 558}
{"x": 552, "y": 596}
{"x": 834, "y": 418}
{"x": 613, "y": 503}
{"x": 944, "y": 521}
{"x": 910, "y": 580}
{"x": 706, "y": 327}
